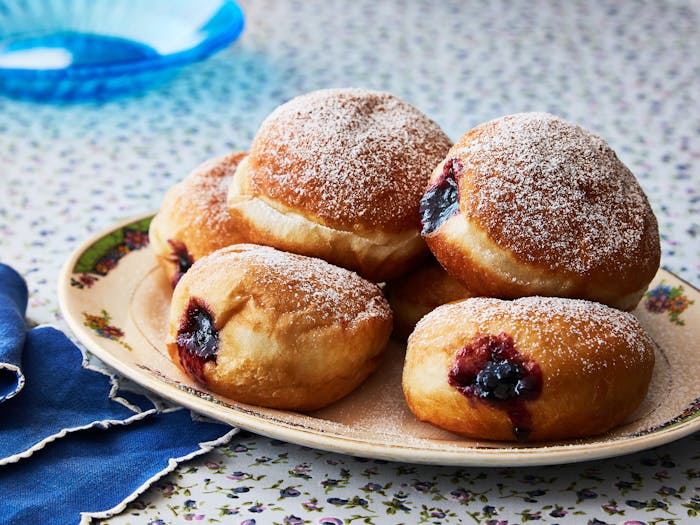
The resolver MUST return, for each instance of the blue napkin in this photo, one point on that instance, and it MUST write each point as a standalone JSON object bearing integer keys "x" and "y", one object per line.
{"x": 96, "y": 470}
{"x": 59, "y": 397}
{"x": 13, "y": 304}
{"x": 67, "y": 435}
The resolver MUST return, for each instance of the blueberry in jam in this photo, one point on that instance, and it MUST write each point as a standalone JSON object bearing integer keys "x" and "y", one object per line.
{"x": 197, "y": 338}
{"x": 490, "y": 368}
{"x": 441, "y": 201}
{"x": 182, "y": 259}
{"x": 503, "y": 380}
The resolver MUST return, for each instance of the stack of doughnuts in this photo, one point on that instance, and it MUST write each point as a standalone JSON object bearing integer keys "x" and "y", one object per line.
{"x": 509, "y": 259}
{"x": 262, "y": 248}
{"x": 523, "y": 207}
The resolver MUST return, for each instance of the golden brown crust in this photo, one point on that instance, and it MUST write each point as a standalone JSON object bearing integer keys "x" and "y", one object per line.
{"x": 375, "y": 255}
{"x": 294, "y": 332}
{"x": 349, "y": 159}
{"x": 554, "y": 208}
{"x": 420, "y": 292}
{"x": 338, "y": 174}
{"x": 596, "y": 364}
{"x": 195, "y": 213}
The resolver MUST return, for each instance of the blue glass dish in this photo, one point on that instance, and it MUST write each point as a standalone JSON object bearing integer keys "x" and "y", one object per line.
{"x": 81, "y": 50}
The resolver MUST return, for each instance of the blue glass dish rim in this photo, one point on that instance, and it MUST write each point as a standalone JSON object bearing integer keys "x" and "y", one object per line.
{"x": 207, "y": 47}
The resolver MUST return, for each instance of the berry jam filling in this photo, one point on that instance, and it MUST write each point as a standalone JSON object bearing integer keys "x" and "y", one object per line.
{"x": 197, "y": 339}
{"x": 182, "y": 259}
{"x": 491, "y": 368}
{"x": 441, "y": 201}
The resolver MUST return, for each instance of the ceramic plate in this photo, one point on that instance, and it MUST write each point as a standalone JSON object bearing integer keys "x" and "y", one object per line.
{"x": 116, "y": 300}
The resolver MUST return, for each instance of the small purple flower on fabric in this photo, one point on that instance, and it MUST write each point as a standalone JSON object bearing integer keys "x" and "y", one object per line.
{"x": 330, "y": 521}
{"x": 289, "y": 492}
{"x": 238, "y": 475}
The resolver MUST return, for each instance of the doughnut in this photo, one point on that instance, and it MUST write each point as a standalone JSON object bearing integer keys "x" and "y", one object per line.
{"x": 419, "y": 292}
{"x": 530, "y": 369}
{"x": 274, "y": 329}
{"x": 530, "y": 204}
{"x": 338, "y": 174}
{"x": 193, "y": 220}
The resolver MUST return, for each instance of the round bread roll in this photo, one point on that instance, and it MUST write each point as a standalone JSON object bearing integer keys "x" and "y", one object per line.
{"x": 194, "y": 219}
{"x": 419, "y": 292}
{"x": 532, "y": 369}
{"x": 529, "y": 204}
{"x": 270, "y": 328}
{"x": 338, "y": 174}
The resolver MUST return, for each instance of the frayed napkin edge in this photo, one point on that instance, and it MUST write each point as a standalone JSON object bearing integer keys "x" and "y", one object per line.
{"x": 102, "y": 423}
{"x": 139, "y": 412}
{"x": 115, "y": 385}
{"x": 204, "y": 448}
{"x": 20, "y": 380}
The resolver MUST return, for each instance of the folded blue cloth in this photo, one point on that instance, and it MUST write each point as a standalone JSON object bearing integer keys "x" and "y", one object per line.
{"x": 64, "y": 430}
{"x": 96, "y": 470}
{"x": 13, "y": 304}
{"x": 59, "y": 396}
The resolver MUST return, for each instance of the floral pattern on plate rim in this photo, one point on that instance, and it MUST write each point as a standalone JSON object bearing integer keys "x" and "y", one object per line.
{"x": 664, "y": 298}
{"x": 100, "y": 324}
{"x": 104, "y": 254}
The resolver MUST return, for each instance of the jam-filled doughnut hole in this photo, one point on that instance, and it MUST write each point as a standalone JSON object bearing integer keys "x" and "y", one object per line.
{"x": 270, "y": 328}
{"x": 530, "y": 204}
{"x": 531, "y": 369}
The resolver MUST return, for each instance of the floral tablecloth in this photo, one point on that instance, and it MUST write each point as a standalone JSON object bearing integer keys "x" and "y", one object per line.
{"x": 628, "y": 71}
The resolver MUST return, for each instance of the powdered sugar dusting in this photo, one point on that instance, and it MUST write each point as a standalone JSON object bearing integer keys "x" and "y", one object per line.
{"x": 553, "y": 321}
{"x": 552, "y": 192}
{"x": 206, "y": 189}
{"x": 324, "y": 293}
{"x": 350, "y": 157}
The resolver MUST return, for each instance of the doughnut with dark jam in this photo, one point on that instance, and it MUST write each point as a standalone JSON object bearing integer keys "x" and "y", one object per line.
{"x": 197, "y": 339}
{"x": 182, "y": 259}
{"x": 270, "y": 328}
{"x": 490, "y": 368}
{"x": 531, "y": 369}
{"x": 441, "y": 201}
